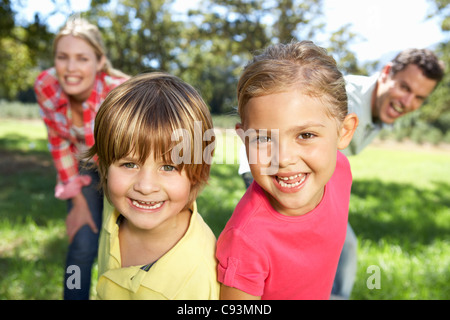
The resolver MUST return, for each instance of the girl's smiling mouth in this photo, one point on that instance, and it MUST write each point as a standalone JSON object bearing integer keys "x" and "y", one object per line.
{"x": 290, "y": 183}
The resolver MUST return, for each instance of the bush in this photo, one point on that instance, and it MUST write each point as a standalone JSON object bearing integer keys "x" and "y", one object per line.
{"x": 18, "y": 110}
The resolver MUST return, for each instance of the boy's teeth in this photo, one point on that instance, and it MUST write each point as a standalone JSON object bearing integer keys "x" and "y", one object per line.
{"x": 148, "y": 205}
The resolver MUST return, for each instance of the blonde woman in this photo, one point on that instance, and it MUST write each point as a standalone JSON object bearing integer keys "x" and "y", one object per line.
{"x": 69, "y": 95}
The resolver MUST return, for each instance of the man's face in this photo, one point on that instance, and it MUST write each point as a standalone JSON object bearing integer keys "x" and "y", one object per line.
{"x": 401, "y": 93}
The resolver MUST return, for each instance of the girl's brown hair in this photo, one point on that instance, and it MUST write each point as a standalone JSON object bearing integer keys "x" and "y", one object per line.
{"x": 300, "y": 65}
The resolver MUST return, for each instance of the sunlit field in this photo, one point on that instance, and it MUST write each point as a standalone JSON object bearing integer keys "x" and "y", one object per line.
{"x": 399, "y": 210}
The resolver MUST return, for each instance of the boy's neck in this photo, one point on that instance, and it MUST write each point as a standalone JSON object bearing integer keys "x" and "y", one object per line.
{"x": 140, "y": 247}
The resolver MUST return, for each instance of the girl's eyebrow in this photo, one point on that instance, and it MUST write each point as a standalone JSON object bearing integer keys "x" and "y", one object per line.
{"x": 304, "y": 126}
{"x": 308, "y": 125}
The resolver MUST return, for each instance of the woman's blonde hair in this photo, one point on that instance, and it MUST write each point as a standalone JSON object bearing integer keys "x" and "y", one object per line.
{"x": 81, "y": 28}
{"x": 150, "y": 114}
{"x": 300, "y": 65}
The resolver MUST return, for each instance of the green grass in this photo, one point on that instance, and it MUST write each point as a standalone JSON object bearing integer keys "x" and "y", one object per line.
{"x": 399, "y": 210}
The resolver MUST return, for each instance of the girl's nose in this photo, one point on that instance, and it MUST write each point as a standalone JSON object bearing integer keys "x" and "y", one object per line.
{"x": 285, "y": 155}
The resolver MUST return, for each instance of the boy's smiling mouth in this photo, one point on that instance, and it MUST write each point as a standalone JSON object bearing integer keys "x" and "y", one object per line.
{"x": 148, "y": 205}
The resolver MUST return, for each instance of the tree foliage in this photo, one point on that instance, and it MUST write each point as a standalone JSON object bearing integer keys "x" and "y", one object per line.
{"x": 207, "y": 46}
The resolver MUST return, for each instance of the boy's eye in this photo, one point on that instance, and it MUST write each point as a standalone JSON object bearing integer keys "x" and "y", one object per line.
{"x": 129, "y": 165}
{"x": 168, "y": 168}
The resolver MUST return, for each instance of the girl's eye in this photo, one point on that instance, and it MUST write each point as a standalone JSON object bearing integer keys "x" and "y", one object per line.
{"x": 305, "y": 136}
{"x": 263, "y": 139}
{"x": 168, "y": 168}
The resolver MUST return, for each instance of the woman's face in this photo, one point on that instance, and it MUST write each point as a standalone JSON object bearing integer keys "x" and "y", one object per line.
{"x": 76, "y": 66}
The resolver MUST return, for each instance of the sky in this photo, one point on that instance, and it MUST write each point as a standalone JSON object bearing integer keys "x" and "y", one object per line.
{"x": 385, "y": 26}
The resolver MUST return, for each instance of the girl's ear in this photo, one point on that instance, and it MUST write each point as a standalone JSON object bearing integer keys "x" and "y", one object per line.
{"x": 347, "y": 130}
{"x": 240, "y": 131}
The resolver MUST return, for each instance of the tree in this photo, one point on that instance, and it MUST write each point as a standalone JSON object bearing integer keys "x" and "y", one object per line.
{"x": 139, "y": 35}
{"x": 437, "y": 108}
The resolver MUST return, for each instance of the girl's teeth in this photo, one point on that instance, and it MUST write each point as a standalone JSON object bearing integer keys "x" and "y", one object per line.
{"x": 288, "y": 178}
{"x": 147, "y": 205}
{"x": 291, "y": 185}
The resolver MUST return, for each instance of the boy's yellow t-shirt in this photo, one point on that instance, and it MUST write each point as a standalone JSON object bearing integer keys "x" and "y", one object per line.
{"x": 188, "y": 271}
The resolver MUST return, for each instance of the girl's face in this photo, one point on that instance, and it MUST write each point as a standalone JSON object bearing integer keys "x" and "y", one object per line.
{"x": 149, "y": 195}
{"x": 292, "y": 148}
{"x": 76, "y": 67}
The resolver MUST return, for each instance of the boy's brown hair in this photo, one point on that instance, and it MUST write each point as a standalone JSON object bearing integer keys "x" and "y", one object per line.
{"x": 150, "y": 114}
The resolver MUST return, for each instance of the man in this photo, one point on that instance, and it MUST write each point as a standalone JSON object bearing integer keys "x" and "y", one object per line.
{"x": 379, "y": 100}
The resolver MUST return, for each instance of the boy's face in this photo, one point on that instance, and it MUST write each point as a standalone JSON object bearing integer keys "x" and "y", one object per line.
{"x": 149, "y": 195}
{"x": 293, "y": 137}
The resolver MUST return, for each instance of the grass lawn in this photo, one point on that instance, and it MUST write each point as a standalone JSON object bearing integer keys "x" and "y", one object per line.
{"x": 399, "y": 210}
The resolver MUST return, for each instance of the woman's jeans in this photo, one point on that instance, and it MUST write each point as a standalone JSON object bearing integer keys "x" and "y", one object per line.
{"x": 84, "y": 247}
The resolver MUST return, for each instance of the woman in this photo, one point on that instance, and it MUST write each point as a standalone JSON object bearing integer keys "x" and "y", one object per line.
{"x": 69, "y": 95}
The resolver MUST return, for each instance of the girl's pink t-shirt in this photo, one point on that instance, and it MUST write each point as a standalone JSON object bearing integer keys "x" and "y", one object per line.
{"x": 278, "y": 257}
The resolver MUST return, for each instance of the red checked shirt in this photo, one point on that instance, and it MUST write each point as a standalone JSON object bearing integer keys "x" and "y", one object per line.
{"x": 54, "y": 107}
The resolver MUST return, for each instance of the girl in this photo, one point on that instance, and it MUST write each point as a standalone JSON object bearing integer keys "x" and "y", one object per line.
{"x": 284, "y": 238}
{"x": 69, "y": 95}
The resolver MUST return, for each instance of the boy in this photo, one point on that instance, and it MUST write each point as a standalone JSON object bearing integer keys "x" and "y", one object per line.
{"x": 154, "y": 244}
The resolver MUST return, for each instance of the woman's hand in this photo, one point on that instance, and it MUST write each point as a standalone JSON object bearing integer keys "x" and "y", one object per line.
{"x": 79, "y": 215}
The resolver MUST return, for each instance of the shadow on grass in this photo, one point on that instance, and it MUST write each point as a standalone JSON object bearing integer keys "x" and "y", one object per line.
{"x": 400, "y": 213}
{"x": 27, "y": 186}
{"x": 36, "y": 275}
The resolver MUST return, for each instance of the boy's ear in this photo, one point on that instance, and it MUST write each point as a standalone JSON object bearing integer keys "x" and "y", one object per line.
{"x": 347, "y": 130}
{"x": 240, "y": 131}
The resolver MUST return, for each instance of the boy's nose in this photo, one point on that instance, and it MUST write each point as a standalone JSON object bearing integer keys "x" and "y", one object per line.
{"x": 146, "y": 183}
